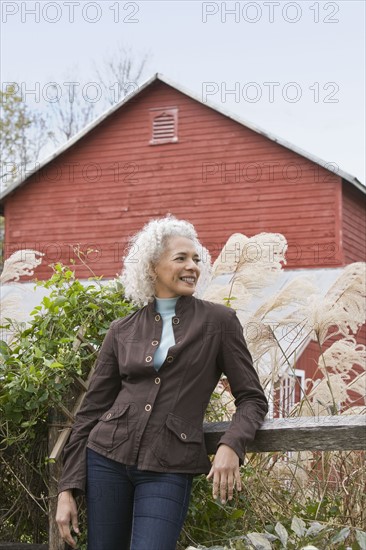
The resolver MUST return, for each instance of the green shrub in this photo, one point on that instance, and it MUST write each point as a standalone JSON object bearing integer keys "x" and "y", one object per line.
{"x": 37, "y": 378}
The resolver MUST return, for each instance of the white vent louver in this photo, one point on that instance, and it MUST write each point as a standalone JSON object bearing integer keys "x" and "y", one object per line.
{"x": 164, "y": 126}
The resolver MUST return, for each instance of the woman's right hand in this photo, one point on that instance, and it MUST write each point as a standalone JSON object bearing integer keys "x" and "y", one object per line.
{"x": 67, "y": 514}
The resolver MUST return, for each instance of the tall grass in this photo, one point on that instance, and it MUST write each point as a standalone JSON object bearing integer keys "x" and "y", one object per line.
{"x": 326, "y": 487}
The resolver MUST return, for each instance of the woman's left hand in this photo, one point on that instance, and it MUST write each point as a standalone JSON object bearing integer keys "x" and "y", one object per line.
{"x": 225, "y": 473}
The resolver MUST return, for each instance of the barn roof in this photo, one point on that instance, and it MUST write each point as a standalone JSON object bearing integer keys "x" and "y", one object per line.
{"x": 159, "y": 77}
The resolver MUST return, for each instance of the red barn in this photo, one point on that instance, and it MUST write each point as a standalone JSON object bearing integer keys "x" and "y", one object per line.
{"x": 163, "y": 149}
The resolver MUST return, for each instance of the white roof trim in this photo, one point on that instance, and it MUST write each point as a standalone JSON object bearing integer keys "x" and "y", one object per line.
{"x": 158, "y": 76}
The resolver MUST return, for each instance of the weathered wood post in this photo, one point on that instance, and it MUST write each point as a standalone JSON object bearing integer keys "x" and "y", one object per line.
{"x": 54, "y": 540}
{"x": 58, "y": 434}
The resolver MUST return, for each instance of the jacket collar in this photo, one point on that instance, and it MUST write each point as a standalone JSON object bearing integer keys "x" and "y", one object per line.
{"x": 183, "y": 303}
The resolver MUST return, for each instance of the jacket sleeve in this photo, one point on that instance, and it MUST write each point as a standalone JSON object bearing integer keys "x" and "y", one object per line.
{"x": 251, "y": 404}
{"x": 102, "y": 392}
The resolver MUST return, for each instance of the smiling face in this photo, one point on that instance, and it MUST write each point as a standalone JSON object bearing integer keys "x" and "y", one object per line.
{"x": 177, "y": 270}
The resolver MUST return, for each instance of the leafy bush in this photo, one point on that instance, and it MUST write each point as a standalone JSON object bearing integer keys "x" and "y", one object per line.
{"x": 37, "y": 375}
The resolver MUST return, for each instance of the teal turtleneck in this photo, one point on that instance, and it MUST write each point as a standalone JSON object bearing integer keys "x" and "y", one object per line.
{"x": 166, "y": 308}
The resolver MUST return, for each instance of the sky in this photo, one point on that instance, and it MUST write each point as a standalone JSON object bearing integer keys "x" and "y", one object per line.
{"x": 294, "y": 69}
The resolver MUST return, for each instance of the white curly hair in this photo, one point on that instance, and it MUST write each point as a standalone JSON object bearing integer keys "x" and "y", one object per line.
{"x": 144, "y": 250}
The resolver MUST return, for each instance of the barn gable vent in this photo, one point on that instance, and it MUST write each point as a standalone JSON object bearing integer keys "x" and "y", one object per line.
{"x": 164, "y": 126}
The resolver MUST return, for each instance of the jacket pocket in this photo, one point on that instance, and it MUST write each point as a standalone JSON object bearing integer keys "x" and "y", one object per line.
{"x": 178, "y": 443}
{"x": 112, "y": 428}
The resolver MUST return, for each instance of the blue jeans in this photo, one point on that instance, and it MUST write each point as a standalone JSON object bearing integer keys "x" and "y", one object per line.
{"x": 134, "y": 509}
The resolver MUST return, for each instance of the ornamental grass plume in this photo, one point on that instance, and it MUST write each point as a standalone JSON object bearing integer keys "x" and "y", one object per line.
{"x": 327, "y": 394}
{"x": 10, "y": 305}
{"x": 273, "y": 331}
{"x": 342, "y": 311}
{"x": 270, "y": 367}
{"x": 278, "y": 331}
{"x": 342, "y": 366}
{"x": 20, "y": 263}
{"x": 293, "y": 294}
{"x": 312, "y": 310}
{"x": 252, "y": 264}
{"x": 342, "y": 356}
{"x": 350, "y": 291}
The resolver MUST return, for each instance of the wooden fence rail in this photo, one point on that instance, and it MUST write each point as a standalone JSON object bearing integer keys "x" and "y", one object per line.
{"x": 323, "y": 433}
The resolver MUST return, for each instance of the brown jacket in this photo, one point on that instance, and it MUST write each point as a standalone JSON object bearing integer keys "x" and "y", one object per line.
{"x": 136, "y": 415}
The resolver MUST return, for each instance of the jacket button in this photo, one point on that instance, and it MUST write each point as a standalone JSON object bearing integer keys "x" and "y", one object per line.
{"x": 175, "y": 321}
{"x": 157, "y": 317}
{"x": 154, "y": 342}
{"x": 109, "y": 415}
{"x": 148, "y": 408}
{"x": 170, "y": 358}
{"x": 157, "y": 380}
{"x": 148, "y": 359}
{"x": 183, "y": 436}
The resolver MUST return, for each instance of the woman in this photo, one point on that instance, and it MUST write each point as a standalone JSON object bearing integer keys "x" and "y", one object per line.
{"x": 137, "y": 441}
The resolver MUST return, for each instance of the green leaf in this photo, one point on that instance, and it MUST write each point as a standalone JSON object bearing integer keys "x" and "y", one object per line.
{"x": 46, "y": 301}
{"x": 314, "y": 529}
{"x": 55, "y": 365}
{"x": 38, "y": 353}
{"x": 259, "y": 541}
{"x": 27, "y": 423}
{"x": 93, "y": 306}
{"x": 298, "y": 526}
{"x": 44, "y": 396}
{"x": 60, "y": 301}
{"x": 282, "y": 533}
{"x": 236, "y": 514}
{"x": 361, "y": 539}
{"x": 340, "y": 536}
{"x": 4, "y": 349}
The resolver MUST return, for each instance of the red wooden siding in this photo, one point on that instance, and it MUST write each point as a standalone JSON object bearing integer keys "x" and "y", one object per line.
{"x": 223, "y": 177}
{"x": 353, "y": 225}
